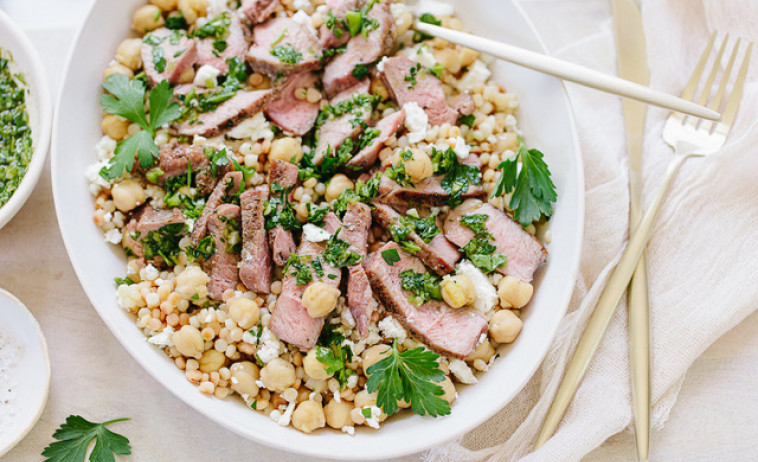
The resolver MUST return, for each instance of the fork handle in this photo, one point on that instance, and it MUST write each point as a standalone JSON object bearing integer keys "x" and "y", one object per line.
{"x": 606, "y": 306}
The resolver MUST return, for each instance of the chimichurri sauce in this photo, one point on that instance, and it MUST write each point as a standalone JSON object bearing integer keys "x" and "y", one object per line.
{"x": 15, "y": 133}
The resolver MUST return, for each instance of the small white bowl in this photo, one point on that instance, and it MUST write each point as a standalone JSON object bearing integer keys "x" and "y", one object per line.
{"x": 39, "y": 106}
{"x": 29, "y": 377}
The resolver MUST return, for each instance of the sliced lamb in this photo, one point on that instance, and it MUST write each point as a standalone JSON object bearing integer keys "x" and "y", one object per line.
{"x": 255, "y": 268}
{"x": 524, "y": 252}
{"x": 388, "y": 126}
{"x": 463, "y": 104}
{"x": 427, "y": 90}
{"x": 229, "y": 184}
{"x": 335, "y": 131}
{"x": 338, "y": 74}
{"x": 360, "y": 298}
{"x": 222, "y": 265}
{"x": 355, "y": 226}
{"x": 175, "y": 159}
{"x": 337, "y": 8}
{"x": 236, "y": 46}
{"x": 427, "y": 192}
{"x": 290, "y": 320}
{"x": 438, "y": 254}
{"x": 354, "y": 231}
{"x": 452, "y": 332}
{"x": 128, "y": 240}
{"x": 257, "y": 11}
{"x": 166, "y": 54}
{"x": 155, "y": 219}
{"x": 283, "y": 45}
{"x": 281, "y": 241}
{"x": 294, "y": 116}
{"x": 227, "y": 114}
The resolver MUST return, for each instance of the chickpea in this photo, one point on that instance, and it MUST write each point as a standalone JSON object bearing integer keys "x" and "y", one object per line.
{"x": 378, "y": 88}
{"x": 468, "y": 56}
{"x": 505, "y": 326}
{"x": 338, "y": 414}
{"x": 308, "y": 416}
{"x": 165, "y": 5}
{"x": 278, "y": 375}
{"x": 187, "y": 75}
{"x": 127, "y": 195}
{"x": 449, "y": 389}
{"x": 419, "y": 166}
{"x": 244, "y": 375}
{"x": 320, "y": 299}
{"x": 514, "y": 292}
{"x": 114, "y": 126}
{"x": 192, "y": 9}
{"x": 313, "y": 367}
{"x": 458, "y": 291}
{"x": 117, "y": 68}
{"x": 128, "y": 53}
{"x": 147, "y": 18}
{"x": 244, "y": 312}
{"x": 363, "y": 399}
{"x": 372, "y": 356}
{"x": 449, "y": 58}
{"x": 286, "y": 149}
{"x": 337, "y": 184}
{"x": 212, "y": 360}
{"x": 188, "y": 341}
{"x": 483, "y": 351}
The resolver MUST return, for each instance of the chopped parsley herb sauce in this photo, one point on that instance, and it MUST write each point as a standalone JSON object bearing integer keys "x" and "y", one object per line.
{"x": 15, "y": 133}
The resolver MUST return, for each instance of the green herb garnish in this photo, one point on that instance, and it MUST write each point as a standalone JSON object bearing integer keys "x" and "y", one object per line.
{"x": 411, "y": 77}
{"x": 75, "y": 435}
{"x": 338, "y": 252}
{"x": 423, "y": 286}
{"x": 429, "y": 19}
{"x": 278, "y": 210}
{"x": 479, "y": 250}
{"x": 404, "y": 227}
{"x": 217, "y": 28}
{"x": 467, "y": 120}
{"x": 391, "y": 256}
{"x": 287, "y": 54}
{"x": 334, "y": 354}
{"x": 164, "y": 243}
{"x": 459, "y": 177}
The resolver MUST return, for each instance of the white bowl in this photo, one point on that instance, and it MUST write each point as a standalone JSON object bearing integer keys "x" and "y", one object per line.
{"x": 39, "y": 106}
{"x": 30, "y": 376}
{"x": 547, "y": 124}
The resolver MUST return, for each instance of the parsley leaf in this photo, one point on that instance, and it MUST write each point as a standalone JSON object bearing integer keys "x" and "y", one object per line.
{"x": 391, "y": 256}
{"x": 287, "y": 54}
{"x": 458, "y": 176}
{"x": 299, "y": 268}
{"x": 339, "y": 253}
{"x": 218, "y": 27}
{"x": 423, "y": 286}
{"x": 410, "y": 376}
{"x": 467, "y": 120}
{"x": 278, "y": 210}
{"x": 479, "y": 249}
{"x": 75, "y": 435}
{"x": 533, "y": 189}
{"x": 403, "y": 228}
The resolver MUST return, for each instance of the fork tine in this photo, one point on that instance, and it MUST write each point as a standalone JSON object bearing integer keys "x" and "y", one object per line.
{"x": 733, "y": 102}
{"x": 716, "y": 103}
{"x": 706, "y": 91}
{"x": 689, "y": 90}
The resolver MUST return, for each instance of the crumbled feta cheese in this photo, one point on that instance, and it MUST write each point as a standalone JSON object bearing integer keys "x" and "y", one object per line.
{"x": 149, "y": 273}
{"x": 269, "y": 347}
{"x": 380, "y": 64}
{"x": 486, "y": 295}
{"x": 337, "y": 396}
{"x": 477, "y": 74}
{"x": 373, "y": 336}
{"x": 96, "y": 182}
{"x": 259, "y": 384}
{"x": 347, "y": 318}
{"x": 350, "y": 430}
{"x": 416, "y": 122}
{"x": 511, "y": 124}
{"x": 301, "y": 4}
{"x": 397, "y": 9}
{"x": 352, "y": 381}
{"x": 247, "y": 337}
{"x": 303, "y": 18}
{"x": 206, "y": 76}
{"x": 323, "y": 10}
{"x": 216, "y": 7}
{"x": 163, "y": 339}
{"x": 199, "y": 140}
{"x": 255, "y": 128}
{"x": 392, "y": 328}
{"x": 313, "y": 233}
{"x": 373, "y": 421}
{"x": 284, "y": 419}
{"x": 113, "y": 236}
{"x": 105, "y": 148}
{"x": 421, "y": 54}
{"x": 462, "y": 372}
{"x": 461, "y": 148}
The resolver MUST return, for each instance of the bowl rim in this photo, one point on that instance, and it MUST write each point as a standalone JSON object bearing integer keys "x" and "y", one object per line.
{"x": 41, "y": 90}
{"x": 281, "y": 444}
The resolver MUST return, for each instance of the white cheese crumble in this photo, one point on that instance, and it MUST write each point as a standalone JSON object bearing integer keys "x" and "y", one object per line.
{"x": 96, "y": 182}
{"x": 163, "y": 339}
{"x": 486, "y": 295}
{"x": 303, "y": 18}
{"x": 149, "y": 273}
{"x": 477, "y": 74}
{"x": 352, "y": 381}
{"x": 216, "y": 7}
{"x": 313, "y": 233}
{"x": 283, "y": 419}
{"x": 380, "y": 65}
{"x": 397, "y": 9}
{"x": 433, "y": 7}
{"x": 337, "y": 396}
{"x": 301, "y": 4}
{"x": 420, "y": 54}
{"x": 416, "y": 122}
{"x": 105, "y": 148}
{"x": 255, "y": 128}
{"x": 373, "y": 421}
{"x": 269, "y": 347}
{"x": 462, "y": 149}
{"x": 113, "y": 236}
{"x": 350, "y": 430}
{"x": 392, "y": 328}
{"x": 462, "y": 372}
{"x": 206, "y": 76}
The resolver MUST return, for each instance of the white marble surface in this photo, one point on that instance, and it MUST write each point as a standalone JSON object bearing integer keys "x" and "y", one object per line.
{"x": 714, "y": 419}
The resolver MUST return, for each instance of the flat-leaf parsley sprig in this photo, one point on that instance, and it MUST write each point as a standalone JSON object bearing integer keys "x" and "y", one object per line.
{"x": 533, "y": 189}
{"x": 75, "y": 435}
{"x": 411, "y": 376}
{"x": 127, "y": 99}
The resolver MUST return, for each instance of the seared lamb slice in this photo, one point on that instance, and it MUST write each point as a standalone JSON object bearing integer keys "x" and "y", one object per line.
{"x": 426, "y": 192}
{"x": 338, "y": 74}
{"x": 290, "y": 320}
{"x": 463, "y": 104}
{"x": 236, "y": 46}
{"x": 154, "y": 219}
{"x": 227, "y": 114}
{"x": 175, "y": 159}
{"x": 222, "y": 265}
{"x": 166, "y": 54}
{"x": 281, "y": 241}
{"x": 284, "y": 46}
{"x": 355, "y": 227}
{"x": 255, "y": 268}
{"x": 228, "y": 185}
{"x": 257, "y": 11}
{"x": 426, "y": 92}
{"x": 524, "y": 252}
{"x": 128, "y": 240}
{"x": 336, "y": 131}
{"x": 452, "y": 332}
{"x": 438, "y": 254}
{"x": 336, "y": 8}
{"x": 387, "y": 127}
{"x": 294, "y": 116}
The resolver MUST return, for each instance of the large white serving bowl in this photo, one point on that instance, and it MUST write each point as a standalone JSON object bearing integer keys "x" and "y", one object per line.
{"x": 39, "y": 107}
{"x": 547, "y": 124}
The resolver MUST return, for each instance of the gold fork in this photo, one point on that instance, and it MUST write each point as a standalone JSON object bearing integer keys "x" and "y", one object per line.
{"x": 689, "y": 137}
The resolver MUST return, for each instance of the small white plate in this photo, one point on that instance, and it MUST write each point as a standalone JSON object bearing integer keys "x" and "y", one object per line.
{"x": 29, "y": 377}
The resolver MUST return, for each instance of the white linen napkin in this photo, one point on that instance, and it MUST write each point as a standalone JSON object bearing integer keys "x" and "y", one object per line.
{"x": 701, "y": 259}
